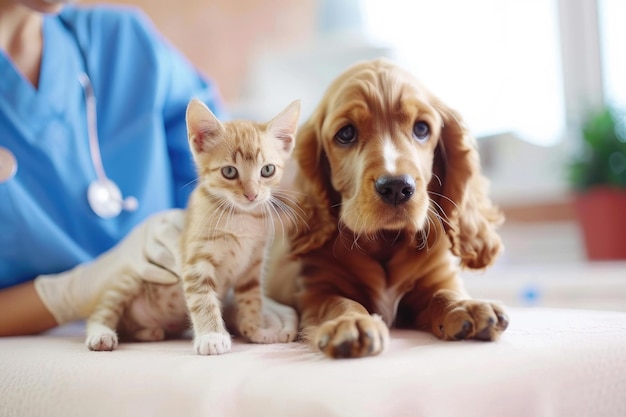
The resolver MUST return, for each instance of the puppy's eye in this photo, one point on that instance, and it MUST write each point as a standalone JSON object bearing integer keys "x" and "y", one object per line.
{"x": 268, "y": 170}
{"x": 421, "y": 131}
{"x": 229, "y": 172}
{"x": 346, "y": 135}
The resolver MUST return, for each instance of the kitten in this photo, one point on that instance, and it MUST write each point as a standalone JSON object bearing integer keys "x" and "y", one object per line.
{"x": 139, "y": 311}
{"x": 228, "y": 221}
{"x": 230, "y": 216}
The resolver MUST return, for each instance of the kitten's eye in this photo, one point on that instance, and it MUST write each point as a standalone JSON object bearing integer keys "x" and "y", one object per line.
{"x": 421, "y": 131}
{"x": 346, "y": 135}
{"x": 268, "y": 170}
{"x": 230, "y": 172}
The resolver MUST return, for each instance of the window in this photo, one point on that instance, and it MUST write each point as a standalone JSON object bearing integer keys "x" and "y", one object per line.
{"x": 612, "y": 16}
{"x": 498, "y": 62}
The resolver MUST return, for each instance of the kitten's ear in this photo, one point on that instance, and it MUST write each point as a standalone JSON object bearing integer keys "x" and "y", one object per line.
{"x": 203, "y": 128}
{"x": 283, "y": 127}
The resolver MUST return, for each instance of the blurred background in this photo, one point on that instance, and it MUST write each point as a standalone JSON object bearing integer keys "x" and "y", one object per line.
{"x": 527, "y": 75}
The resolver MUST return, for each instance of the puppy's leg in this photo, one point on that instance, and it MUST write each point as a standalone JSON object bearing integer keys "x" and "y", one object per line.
{"x": 450, "y": 314}
{"x": 340, "y": 327}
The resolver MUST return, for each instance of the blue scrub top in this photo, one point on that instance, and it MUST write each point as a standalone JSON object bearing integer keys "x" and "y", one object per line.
{"x": 142, "y": 87}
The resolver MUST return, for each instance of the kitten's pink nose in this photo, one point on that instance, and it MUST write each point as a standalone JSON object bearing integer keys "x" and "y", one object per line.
{"x": 251, "y": 197}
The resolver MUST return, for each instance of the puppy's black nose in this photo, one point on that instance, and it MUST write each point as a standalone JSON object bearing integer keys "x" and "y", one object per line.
{"x": 395, "y": 189}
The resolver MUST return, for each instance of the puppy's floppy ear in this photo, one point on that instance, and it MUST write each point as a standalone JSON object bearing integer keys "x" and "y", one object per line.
{"x": 469, "y": 217}
{"x": 318, "y": 196}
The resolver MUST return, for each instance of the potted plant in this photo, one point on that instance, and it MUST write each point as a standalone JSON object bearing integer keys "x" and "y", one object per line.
{"x": 598, "y": 174}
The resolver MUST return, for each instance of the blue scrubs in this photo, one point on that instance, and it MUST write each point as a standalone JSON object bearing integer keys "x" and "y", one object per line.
{"x": 142, "y": 86}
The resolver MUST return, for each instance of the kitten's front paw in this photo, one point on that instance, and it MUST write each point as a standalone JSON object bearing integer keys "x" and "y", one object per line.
{"x": 106, "y": 340}
{"x": 212, "y": 344}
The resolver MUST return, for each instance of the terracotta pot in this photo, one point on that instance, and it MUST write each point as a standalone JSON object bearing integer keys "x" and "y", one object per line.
{"x": 602, "y": 213}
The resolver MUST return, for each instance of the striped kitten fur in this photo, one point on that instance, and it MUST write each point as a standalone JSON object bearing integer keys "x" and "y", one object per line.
{"x": 231, "y": 216}
{"x": 230, "y": 219}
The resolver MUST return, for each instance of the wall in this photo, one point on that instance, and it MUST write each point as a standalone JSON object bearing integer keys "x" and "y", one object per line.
{"x": 221, "y": 36}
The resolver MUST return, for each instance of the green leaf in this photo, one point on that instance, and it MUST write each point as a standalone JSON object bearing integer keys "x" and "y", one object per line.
{"x": 602, "y": 160}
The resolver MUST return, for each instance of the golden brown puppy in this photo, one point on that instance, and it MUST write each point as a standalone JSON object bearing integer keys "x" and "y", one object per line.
{"x": 394, "y": 202}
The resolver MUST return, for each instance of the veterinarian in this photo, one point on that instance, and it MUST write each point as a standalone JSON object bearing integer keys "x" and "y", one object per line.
{"x": 92, "y": 143}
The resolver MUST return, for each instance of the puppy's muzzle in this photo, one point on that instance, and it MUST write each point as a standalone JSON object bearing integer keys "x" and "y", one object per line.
{"x": 395, "y": 189}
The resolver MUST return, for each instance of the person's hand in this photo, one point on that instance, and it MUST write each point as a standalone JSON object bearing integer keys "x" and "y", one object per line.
{"x": 150, "y": 252}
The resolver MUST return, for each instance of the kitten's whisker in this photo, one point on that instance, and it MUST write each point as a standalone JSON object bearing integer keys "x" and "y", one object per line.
{"x": 207, "y": 219}
{"x": 289, "y": 205}
{"x": 275, "y": 206}
{"x": 281, "y": 195}
{"x": 279, "y": 217}
{"x": 189, "y": 183}
{"x": 268, "y": 219}
{"x": 292, "y": 214}
{"x": 222, "y": 208}
{"x": 288, "y": 191}
{"x": 231, "y": 214}
{"x": 215, "y": 218}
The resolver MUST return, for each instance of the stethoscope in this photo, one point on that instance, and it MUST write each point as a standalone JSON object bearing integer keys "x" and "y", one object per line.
{"x": 103, "y": 195}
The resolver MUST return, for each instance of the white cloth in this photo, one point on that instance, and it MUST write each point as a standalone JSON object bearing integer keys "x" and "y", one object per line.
{"x": 549, "y": 362}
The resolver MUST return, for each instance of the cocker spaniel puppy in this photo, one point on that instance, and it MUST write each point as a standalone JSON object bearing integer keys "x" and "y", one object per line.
{"x": 394, "y": 204}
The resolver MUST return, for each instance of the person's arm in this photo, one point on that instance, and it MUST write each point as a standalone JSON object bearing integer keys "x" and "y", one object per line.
{"x": 22, "y": 312}
{"x": 148, "y": 253}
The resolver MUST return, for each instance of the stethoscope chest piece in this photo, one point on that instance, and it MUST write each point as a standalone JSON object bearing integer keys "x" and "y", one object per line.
{"x": 105, "y": 199}
{"x": 8, "y": 165}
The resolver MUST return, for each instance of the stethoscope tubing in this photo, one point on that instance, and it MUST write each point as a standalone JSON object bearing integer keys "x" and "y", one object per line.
{"x": 103, "y": 195}
{"x": 92, "y": 126}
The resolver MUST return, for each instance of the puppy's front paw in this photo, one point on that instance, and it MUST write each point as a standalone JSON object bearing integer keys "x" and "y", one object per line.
{"x": 473, "y": 319}
{"x": 352, "y": 337}
{"x": 104, "y": 340}
{"x": 212, "y": 344}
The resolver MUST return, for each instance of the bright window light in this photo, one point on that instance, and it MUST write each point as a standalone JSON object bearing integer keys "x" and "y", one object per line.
{"x": 612, "y": 35}
{"x": 496, "y": 61}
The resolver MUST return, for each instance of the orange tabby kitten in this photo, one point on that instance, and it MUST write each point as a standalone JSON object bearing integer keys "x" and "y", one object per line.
{"x": 228, "y": 221}
{"x": 139, "y": 311}
{"x": 230, "y": 215}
